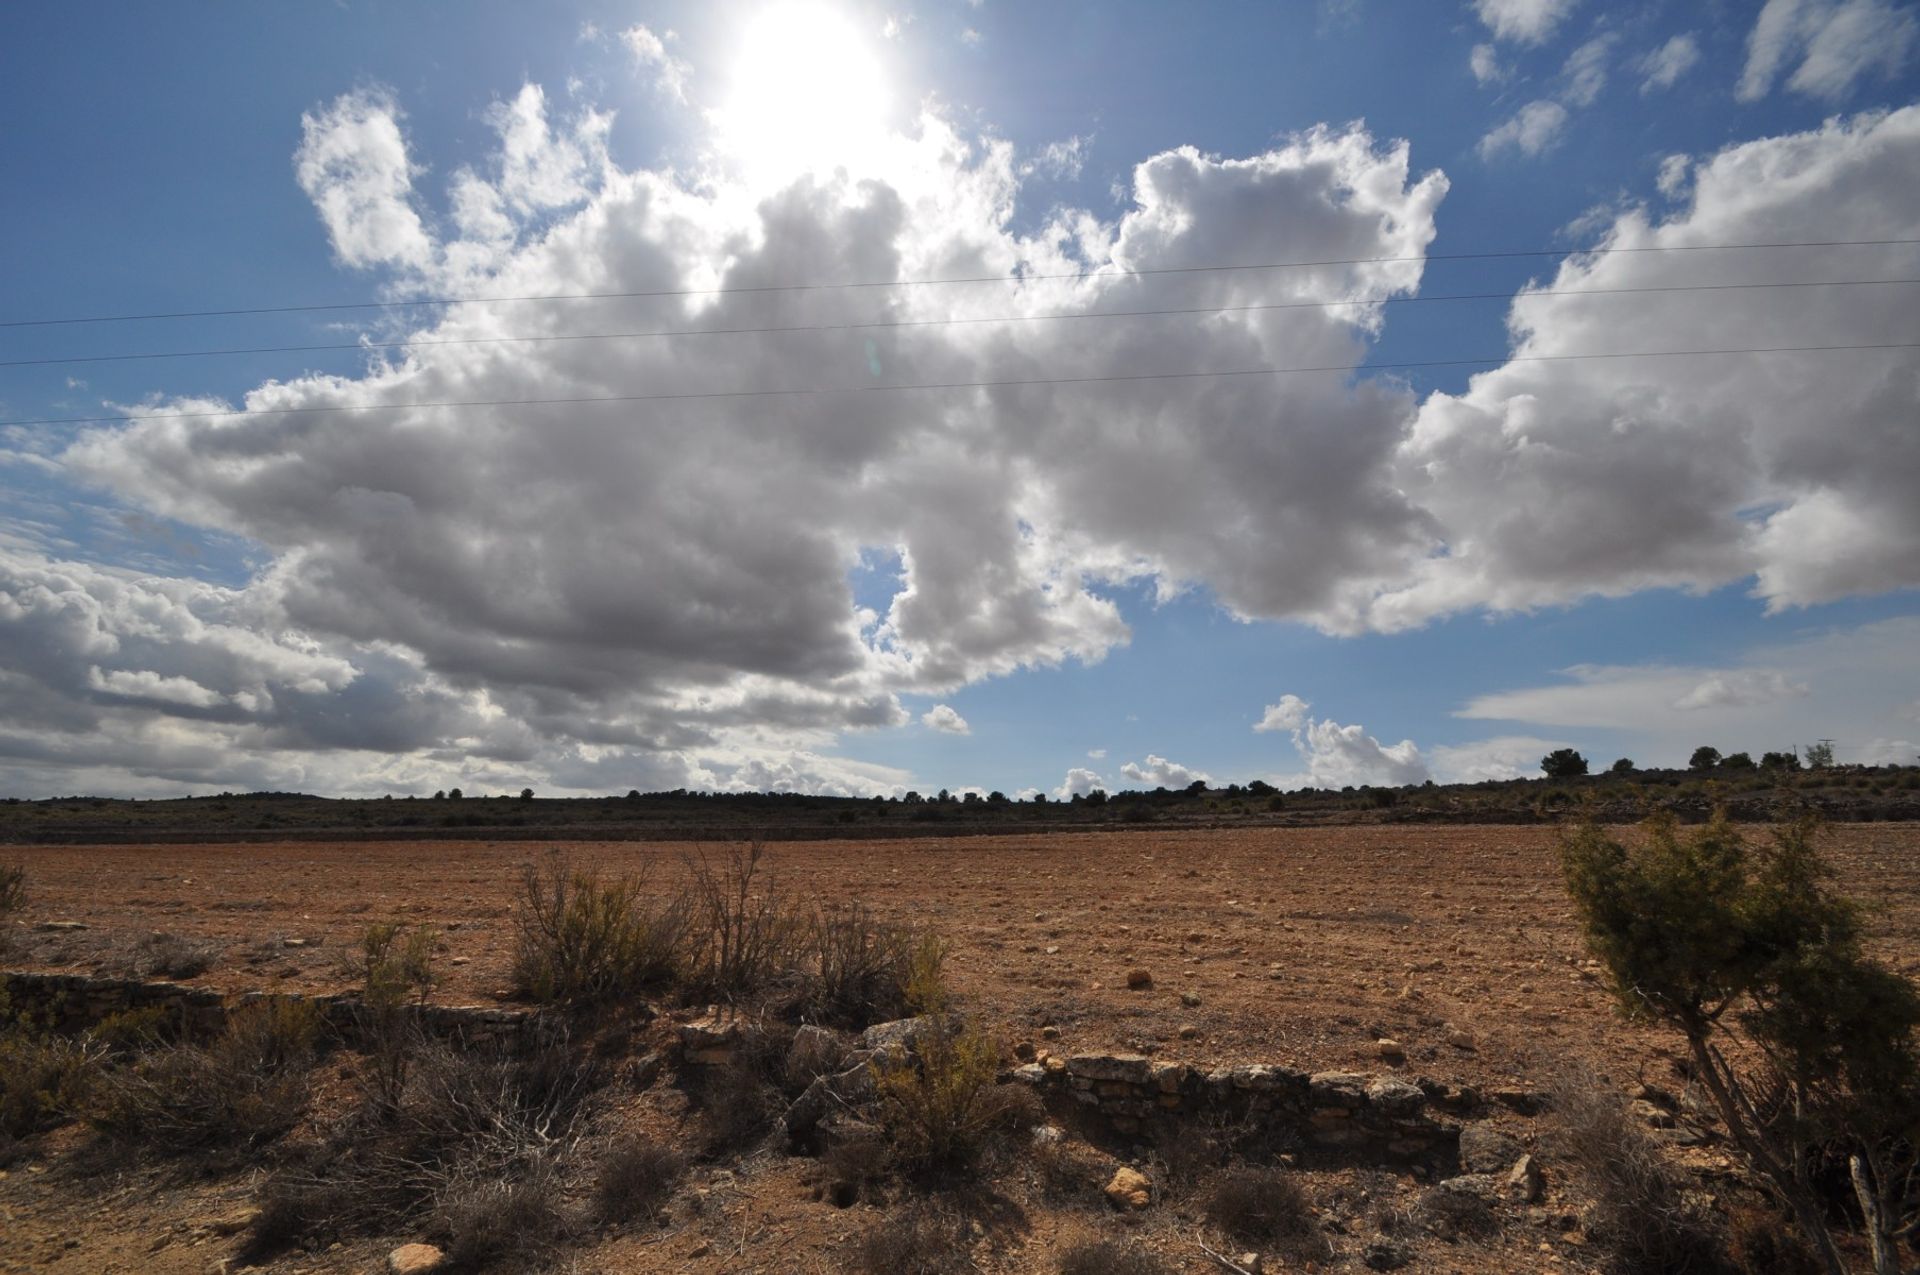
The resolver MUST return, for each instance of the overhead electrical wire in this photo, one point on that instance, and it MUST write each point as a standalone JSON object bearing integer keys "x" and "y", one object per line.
{"x": 804, "y": 391}
{"x": 891, "y": 324}
{"x": 736, "y": 289}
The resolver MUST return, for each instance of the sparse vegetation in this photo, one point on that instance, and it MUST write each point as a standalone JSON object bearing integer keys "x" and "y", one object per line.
{"x": 745, "y": 931}
{"x": 864, "y": 966}
{"x": 1257, "y": 1204}
{"x": 920, "y": 1239}
{"x": 44, "y": 1079}
{"x": 1110, "y": 1257}
{"x": 939, "y": 1107}
{"x": 244, "y": 1088}
{"x": 162, "y": 955}
{"x": 583, "y": 940}
{"x": 636, "y": 1175}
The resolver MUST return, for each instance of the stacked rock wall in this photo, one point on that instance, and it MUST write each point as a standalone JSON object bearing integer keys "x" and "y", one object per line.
{"x": 74, "y": 1002}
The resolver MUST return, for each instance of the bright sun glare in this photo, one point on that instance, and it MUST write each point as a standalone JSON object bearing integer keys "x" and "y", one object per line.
{"x": 807, "y": 92}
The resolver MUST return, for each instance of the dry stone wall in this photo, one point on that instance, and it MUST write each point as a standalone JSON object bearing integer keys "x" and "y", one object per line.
{"x": 74, "y": 1002}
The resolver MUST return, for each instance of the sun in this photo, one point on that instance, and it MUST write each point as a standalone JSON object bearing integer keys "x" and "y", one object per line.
{"x": 806, "y": 93}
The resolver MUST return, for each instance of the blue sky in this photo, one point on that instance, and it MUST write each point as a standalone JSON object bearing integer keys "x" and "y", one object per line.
{"x": 1448, "y": 570}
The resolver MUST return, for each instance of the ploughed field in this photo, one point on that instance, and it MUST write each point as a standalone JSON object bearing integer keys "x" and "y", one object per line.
{"x": 1299, "y": 946}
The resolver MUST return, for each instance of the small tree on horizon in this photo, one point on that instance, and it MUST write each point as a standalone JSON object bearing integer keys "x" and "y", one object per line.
{"x": 1624, "y": 766}
{"x": 1705, "y": 757}
{"x": 1563, "y": 763}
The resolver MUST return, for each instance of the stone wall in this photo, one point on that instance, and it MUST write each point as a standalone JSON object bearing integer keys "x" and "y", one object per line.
{"x": 74, "y": 1002}
{"x": 1375, "y": 1117}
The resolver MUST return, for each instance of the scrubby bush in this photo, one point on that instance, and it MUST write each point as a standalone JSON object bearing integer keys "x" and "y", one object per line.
{"x": 636, "y": 1175}
{"x": 1110, "y": 1257}
{"x": 171, "y": 956}
{"x": 1257, "y": 1204}
{"x": 583, "y": 940}
{"x": 44, "y": 1079}
{"x": 939, "y": 1107}
{"x": 245, "y": 1087}
{"x": 744, "y": 929}
{"x": 487, "y": 1219}
{"x": 862, "y": 966}
{"x": 921, "y": 1239}
{"x": 1642, "y": 1214}
{"x": 13, "y": 896}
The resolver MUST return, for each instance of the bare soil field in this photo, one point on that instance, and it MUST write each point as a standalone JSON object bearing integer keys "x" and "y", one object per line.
{"x": 1300, "y": 947}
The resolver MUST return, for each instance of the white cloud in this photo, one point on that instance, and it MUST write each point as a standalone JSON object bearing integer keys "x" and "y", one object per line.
{"x": 1158, "y": 772}
{"x": 651, "y": 54}
{"x": 1663, "y": 67}
{"x": 1796, "y": 471}
{"x": 1336, "y": 756}
{"x": 1585, "y": 71}
{"x": 942, "y": 718}
{"x": 1485, "y": 64}
{"x": 1675, "y": 170}
{"x": 1534, "y": 129}
{"x": 1097, "y": 754}
{"x": 353, "y": 164}
{"x": 1849, "y": 685}
{"x": 1838, "y": 43}
{"x": 1742, "y": 688}
{"x": 1078, "y": 783}
{"x": 1503, "y": 757}
{"x": 1289, "y": 714}
{"x": 971, "y": 38}
{"x": 1527, "y": 21}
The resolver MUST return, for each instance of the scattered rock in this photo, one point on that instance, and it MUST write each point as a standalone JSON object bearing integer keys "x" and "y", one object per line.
{"x": 235, "y": 1222}
{"x": 1047, "y": 1135}
{"x": 293, "y": 942}
{"x": 1461, "y": 1038}
{"x": 1189, "y": 1032}
{"x": 901, "y": 1032}
{"x": 1138, "y": 979}
{"x": 1526, "y": 1184}
{"x": 415, "y": 1259}
{"x": 1652, "y": 1114}
{"x": 1484, "y": 1150}
{"x": 1389, "y": 1050}
{"x": 1025, "y": 1051}
{"x": 1049, "y": 1032}
{"x": 59, "y": 926}
{"x": 1251, "y": 1263}
{"x": 814, "y": 1050}
{"x": 1190, "y": 999}
{"x": 1129, "y": 1189}
{"x": 1527, "y": 1102}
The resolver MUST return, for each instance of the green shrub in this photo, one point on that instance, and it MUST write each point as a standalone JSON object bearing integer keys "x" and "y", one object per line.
{"x": 939, "y": 1108}
{"x": 581, "y": 940}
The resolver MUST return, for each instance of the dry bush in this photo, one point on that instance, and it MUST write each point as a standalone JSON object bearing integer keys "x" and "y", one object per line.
{"x": 1257, "y": 1204}
{"x": 393, "y": 970}
{"x": 1111, "y": 1257}
{"x": 1455, "y": 1214}
{"x": 246, "y": 1087}
{"x": 171, "y": 956}
{"x": 13, "y": 895}
{"x": 861, "y": 966}
{"x": 636, "y": 1176}
{"x": 940, "y": 1109}
{"x": 1643, "y": 1217}
{"x": 1761, "y": 1242}
{"x": 486, "y": 1219}
{"x": 744, "y": 932}
{"x": 921, "y": 1239}
{"x": 854, "y": 1167}
{"x": 583, "y": 940}
{"x": 467, "y": 1128}
{"x": 44, "y": 1079}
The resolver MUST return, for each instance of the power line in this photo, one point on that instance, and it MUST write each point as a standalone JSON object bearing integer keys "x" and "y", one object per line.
{"x": 803, "y": 391}
{"x": 964, "y": 279}
{"x": 884, "y": 324}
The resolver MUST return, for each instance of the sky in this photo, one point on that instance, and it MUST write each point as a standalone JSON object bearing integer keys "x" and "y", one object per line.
{"x": 854, "y": 398}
